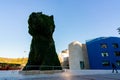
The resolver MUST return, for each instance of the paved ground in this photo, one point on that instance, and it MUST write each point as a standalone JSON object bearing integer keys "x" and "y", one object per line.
{"x": 79, "y": 77}
{"x": 68, "y": 75}
{"x": 93, "y": 77}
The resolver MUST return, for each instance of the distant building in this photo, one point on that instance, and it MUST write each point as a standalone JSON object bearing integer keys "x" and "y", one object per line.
{"x": 64, "y": 58}
{"x": 97, "y": 53}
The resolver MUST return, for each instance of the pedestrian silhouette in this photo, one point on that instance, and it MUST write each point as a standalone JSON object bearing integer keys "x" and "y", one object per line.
{"x": 114, "y": 68}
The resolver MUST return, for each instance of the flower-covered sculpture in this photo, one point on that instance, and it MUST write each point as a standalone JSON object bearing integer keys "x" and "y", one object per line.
{"x": 42, "y": 54}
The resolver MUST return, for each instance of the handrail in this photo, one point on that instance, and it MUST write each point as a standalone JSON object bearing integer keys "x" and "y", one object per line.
{"x": 45, "y": 66}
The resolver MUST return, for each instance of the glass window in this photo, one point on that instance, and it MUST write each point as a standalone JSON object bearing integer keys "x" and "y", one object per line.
{"x": 115, "y": 45}
{"x": 118, "y": 62}
{"x": 104, "y": 54}
{"x": 117, "y": 53}
{"x": 81, "y": 64}
{"x": 104, "y": 45}
{"x": 105, "y": 63}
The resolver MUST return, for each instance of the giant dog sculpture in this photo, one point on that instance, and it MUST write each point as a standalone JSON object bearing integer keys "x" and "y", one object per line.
{"x": 42, "y": 51}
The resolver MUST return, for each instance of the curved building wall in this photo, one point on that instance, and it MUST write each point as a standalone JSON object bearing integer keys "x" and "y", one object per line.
{"x": 103, "y": 51}
{"x": 75, "y": 56}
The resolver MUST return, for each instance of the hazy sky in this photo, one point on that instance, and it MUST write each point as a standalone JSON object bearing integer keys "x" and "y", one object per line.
{"x": 79, "y": 20}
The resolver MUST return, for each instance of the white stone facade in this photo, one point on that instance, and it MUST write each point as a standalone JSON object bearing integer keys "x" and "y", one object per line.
{"x": 78, "y": 58}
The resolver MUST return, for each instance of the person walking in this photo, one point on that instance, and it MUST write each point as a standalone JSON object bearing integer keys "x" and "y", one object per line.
{"x": 114, "y": 68}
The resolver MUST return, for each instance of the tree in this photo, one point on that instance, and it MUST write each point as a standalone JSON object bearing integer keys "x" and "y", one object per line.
{"x": 118, "y": 30}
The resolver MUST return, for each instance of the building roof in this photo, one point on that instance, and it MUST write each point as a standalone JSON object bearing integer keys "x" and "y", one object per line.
{"x": 99, "y": 38}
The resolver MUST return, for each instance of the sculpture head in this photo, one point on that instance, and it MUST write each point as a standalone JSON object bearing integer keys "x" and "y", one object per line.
{"x": 41, "y": 24}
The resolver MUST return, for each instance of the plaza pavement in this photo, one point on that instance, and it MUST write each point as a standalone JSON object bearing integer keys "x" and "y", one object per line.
{"x": 67, "y": 75}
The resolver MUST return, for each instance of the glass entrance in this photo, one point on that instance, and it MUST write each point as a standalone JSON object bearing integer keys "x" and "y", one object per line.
{"x": 82, "y": 64}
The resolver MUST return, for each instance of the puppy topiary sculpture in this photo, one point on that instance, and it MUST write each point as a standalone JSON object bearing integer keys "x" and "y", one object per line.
{"x": 42, "y": 54}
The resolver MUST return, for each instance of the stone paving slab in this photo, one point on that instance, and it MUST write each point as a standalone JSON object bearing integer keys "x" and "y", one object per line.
{"x": 80, "y": 77}
{"x": 83, "y": 77}
{"x": 68, "y": 75}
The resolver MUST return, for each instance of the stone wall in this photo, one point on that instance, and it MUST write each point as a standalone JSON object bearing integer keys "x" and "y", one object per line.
{"x": 78, "y": 58}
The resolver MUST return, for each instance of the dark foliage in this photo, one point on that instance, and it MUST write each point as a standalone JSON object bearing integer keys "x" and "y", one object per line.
{"x": 42, "y": 51}
{"x": 118, "y": 30}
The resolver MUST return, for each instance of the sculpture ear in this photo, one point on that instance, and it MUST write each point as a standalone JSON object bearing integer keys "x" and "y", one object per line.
{"x": 51, "y": 17}
{"x": 33, "y": 13}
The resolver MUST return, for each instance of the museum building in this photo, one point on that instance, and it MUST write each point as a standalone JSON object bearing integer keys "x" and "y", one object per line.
{"x": 97, "y": 53}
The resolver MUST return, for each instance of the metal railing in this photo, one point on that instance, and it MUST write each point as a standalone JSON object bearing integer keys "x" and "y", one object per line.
{"x": 36, "y": 67}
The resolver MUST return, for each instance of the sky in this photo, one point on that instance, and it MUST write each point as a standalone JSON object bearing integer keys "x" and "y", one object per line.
{"x": 75, "y": 20}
